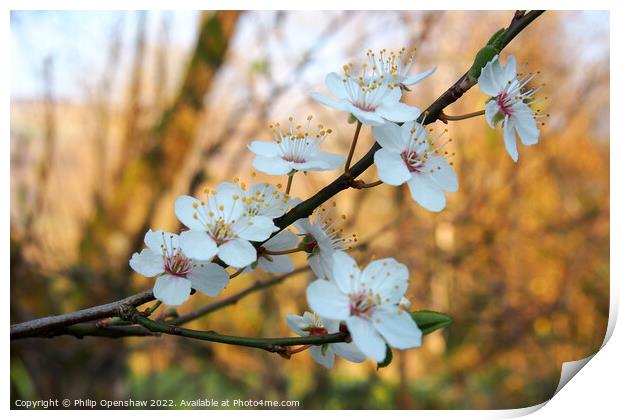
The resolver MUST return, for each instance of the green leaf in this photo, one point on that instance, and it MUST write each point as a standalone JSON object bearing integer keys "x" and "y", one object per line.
{"x": 485, "y": 55}
{"x": 496, "y": 38}
{"x": 388, "y": 358}
{"x": 429, "y": 321}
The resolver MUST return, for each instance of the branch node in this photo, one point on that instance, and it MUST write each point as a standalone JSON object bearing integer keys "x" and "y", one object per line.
{"x": 127, "y": 312}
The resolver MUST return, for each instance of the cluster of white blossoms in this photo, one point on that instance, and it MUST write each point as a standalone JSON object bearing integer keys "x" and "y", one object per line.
{"x": 235, "y": 226}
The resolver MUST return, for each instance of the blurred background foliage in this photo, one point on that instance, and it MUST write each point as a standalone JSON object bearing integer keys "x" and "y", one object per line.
{"x": 113, "y": 114}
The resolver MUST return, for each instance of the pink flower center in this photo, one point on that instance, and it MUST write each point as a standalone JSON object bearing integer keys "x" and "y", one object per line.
{"x": 294, "y": 159}
{"x": 177, "y": 265}
{"x": 361, "y": 304}
{"x": 411, "y": 161}
{"x": 221, "y": 232}
{"x": 503, "y": 101}
{"x": 367, "y": 108}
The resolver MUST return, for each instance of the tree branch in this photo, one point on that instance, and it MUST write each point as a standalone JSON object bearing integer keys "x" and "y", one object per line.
{"x": 276, "y": 345}
{"x": 232, "y": 299}
{"x": 346, "y": 180}
{"x": 55, "y": 325}
{"x": 40, "y": 327}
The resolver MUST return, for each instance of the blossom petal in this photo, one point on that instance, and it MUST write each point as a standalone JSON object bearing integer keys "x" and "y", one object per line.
{"x": 283, "y": 240}
{"x": 490, "y": 111}
{"x": 155, "y": 240}
{"x": 389, "y": 95}
{"x": 345, "y": 273}
{"x": 340, "y": 104}
{"x": 172, "y": 290}
{"x": 326, "y": 358}
{"x": 296, "y": 324}
{"x": 488, "y": 81}
{"x": 391, "y": 167}
{"x": 324, "y": 161}
{"x": 327, "y": 300}
{"x": 415, "y": 135}
{"x": 510, "y": 139}
{"x": 426, "y": 193}
{"x": 208, "y": 278}
{"x": 398, "y": 329}
{"x": 197, "y": 245}
{"x": 367, "y": 117}
{"x": 509, "y": 71}
{"x": 526, "y": 125}
{"x": 398, "y": 112}
{"x": 417, "y": 78}
{"x": 317, "y": 266}
{"x": 237, "y": 253}
{"x": 276, "y": 264}
{"x": 185, "y": 207}
{"x": 389, "y": 137}
{"x": 148, "y": 263}
{"x": 256, "y": 228}
{"x": 443, "y": 174}
{"x": 334, "y": 83}
{"x": 271, "y": 165}
{"x": 303, "y": 225}
{"x": 366, "y": 338}
{"x": 264, "y": 148}
{"x": 348, "y": 351}
{"x": 388, "y": 278}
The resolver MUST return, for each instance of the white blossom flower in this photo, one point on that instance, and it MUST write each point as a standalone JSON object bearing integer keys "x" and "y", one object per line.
{"x": 176, "y": 273}
{"x": 294, "y": 150}
{"x": 393, "y": 67}
{"x": 264, "y": 199}
{"x": 511, "y": 103}
{"x": 222, "y": 225}
{"x": 408, "y": 155}
{"x": 368, "y": 302}
{"x": 277, "y": 263}
{"x": 321, "y": 238}
{"x": 311, "y": 324}
{"x": 370, "y": 97}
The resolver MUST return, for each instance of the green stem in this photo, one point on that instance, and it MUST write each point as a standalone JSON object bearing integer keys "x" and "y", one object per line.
{"x": 277, "y": 345}
{"x": 153, "y": 308}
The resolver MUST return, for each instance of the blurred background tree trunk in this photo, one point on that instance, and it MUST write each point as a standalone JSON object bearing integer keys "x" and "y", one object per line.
{"x": 153, "y": 158}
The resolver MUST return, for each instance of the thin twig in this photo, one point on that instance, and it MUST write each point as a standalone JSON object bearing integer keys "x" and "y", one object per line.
{"x": 353, "y": 144}
{"x": 445, "y": 118}
{"x": 232, "y": 299}
{"x": 290, "y": 182}
{"x": 360, "y": 185}
{"x": 283, "y": 252}
{"x": 276, "y": 345}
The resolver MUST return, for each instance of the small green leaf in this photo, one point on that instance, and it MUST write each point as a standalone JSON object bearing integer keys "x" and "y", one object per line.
{"x": 485, "y": 55}
{"x": 429, "y": 321}
{"x": 388, "y": 358}
{"x": 495, "y": 39}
